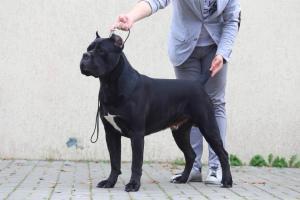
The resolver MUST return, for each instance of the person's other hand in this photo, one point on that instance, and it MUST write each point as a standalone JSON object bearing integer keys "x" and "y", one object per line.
{"x": 124, "y": 22}
{"x": 216, "y": 65}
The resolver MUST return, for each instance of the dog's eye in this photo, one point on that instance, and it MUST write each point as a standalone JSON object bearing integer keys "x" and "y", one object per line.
{"x": 101, "y": 51}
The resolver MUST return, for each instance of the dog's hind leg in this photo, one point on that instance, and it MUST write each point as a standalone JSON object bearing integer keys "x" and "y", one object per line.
{"x": 113, "y": 140}
{"x": 205, "y": 120}
{"x": 182, "y": 139}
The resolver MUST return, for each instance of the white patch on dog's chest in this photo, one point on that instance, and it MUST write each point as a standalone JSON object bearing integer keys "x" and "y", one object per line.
{"x": 111, "y": 120}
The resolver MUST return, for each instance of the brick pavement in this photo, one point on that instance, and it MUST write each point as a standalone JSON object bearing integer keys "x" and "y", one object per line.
{"x": 58, "y": 180}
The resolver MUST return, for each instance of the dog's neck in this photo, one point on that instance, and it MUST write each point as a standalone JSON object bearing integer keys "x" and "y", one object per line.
{"x": 119, "y": 83}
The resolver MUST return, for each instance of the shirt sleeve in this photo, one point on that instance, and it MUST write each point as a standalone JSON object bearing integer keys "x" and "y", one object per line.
{"x": 157, "y": 4}
{"x": 231, "y": 17}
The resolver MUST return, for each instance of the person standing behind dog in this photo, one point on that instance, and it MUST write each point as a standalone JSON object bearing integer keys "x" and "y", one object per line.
{"x": 201, "y": 37}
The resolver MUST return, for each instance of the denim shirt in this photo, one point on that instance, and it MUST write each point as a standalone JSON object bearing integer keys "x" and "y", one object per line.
{"x": 187, "y": 21}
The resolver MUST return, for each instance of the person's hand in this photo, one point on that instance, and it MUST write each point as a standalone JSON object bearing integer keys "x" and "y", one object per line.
{"x": 124, "y": 22}
{"x": 216, "y": 65}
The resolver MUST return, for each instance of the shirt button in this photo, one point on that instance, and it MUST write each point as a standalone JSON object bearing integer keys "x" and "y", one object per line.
{"x": 195, "y": 39}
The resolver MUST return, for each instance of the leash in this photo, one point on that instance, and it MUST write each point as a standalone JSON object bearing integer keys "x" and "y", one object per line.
{"x": 97, "y": 121}
{"x": 98, "y": 109}
{"x": 112, "y": 32}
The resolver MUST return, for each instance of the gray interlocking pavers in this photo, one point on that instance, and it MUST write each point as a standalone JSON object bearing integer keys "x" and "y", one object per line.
{"x": 60, "y": 180}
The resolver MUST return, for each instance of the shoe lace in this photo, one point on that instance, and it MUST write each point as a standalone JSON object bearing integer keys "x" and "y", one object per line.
{"x": 214, "y": 170}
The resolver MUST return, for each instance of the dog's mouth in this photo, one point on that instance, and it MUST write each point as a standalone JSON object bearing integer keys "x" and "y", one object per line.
{"x": 84, "y": 69}
{"x": 86, "y": 73}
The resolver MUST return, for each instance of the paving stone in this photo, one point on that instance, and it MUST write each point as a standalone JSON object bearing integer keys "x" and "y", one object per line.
{"x": 21, "y": 179}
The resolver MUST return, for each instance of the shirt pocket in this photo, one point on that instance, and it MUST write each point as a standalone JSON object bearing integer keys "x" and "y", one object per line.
{"x": 178, "y": 32}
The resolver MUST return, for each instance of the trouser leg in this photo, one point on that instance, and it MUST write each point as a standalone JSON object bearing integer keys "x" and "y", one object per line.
{"x": 191, "y": 70}
{"x": 215, "y": 87}
{"x": 199, "y": 61}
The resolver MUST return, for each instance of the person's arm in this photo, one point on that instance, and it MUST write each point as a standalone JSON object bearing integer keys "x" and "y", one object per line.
{"x": 231, "y": 16}
{"x": 141, "y": 10}
{"x": 231, "y": 19}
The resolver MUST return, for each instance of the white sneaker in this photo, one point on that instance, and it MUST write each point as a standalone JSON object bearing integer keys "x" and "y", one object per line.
{"x": 195, "y": 176}
{"x": 214, "y": 174}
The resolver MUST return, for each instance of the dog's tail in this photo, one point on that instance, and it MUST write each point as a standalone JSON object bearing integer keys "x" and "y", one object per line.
{"x": 205, "y": 76}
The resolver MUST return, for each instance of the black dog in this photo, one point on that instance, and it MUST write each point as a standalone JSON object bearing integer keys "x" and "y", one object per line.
{"x": 134, "y": 105}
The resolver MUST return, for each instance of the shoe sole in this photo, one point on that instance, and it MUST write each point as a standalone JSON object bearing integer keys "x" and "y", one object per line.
{"x": 192, "y": 180}
{"x": 213, "y": 182}
{"x": 195, "y": 180}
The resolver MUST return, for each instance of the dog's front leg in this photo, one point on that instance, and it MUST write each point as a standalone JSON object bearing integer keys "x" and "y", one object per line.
{"x": 137, "y": 146}
{"x": 113, "y": 140}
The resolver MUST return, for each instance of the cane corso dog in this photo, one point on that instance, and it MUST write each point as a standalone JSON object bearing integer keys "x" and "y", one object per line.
{"x": 133, "y": 105}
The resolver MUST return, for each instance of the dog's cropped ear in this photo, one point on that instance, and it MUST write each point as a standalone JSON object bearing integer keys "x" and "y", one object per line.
{"x": 118, "y": 41}
{"x": 97, "y": 35}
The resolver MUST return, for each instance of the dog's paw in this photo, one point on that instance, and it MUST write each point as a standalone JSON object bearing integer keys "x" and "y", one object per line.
{"x": 180, "y": 180}
{"x": 226, "y": 184}
{"x": 106, "y": 184}
{"x": 132, "y": 187}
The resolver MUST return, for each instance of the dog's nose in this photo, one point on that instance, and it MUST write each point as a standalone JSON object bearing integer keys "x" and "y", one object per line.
{"x": 85, "y": 55}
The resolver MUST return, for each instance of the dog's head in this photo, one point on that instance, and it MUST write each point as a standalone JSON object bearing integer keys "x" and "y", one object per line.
{"x": 102, "y": 56}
